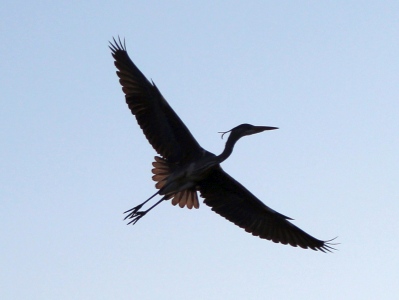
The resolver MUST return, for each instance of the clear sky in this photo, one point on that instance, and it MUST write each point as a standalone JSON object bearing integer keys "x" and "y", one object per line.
{"x": 72, "y": 157}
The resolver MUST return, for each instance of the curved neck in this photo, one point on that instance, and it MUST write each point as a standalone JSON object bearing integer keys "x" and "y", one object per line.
{"x": 228, "y": 149}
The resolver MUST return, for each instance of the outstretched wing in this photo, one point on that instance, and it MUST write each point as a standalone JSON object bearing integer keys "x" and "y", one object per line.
{"x": 233, "y": 201}
{"x": 161, "y": 125}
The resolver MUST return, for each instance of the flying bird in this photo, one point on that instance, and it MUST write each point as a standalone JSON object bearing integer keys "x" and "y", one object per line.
{"x": 185, "y": 168}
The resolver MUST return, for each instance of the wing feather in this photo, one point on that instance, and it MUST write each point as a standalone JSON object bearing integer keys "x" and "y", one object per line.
{"x": 162, "y": 127}
{"x": 233, "y": 201}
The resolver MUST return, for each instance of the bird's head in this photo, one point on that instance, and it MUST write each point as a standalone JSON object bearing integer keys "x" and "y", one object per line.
{"x": 247, "y": 129}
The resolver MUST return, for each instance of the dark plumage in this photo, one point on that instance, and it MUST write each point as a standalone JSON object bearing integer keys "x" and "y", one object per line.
{"x": 185, "y": 168}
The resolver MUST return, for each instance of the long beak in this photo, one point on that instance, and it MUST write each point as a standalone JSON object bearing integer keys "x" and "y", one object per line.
{"x": 258, "y": 129}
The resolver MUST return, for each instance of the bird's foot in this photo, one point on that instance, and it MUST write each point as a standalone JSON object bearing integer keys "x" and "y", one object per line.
{"x": 133, "y": 211}
{"x": 135, "y": 216}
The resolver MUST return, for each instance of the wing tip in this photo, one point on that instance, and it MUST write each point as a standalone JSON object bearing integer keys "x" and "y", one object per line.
{"x": 328, "y": 246}
{"x": 117, "y": 45}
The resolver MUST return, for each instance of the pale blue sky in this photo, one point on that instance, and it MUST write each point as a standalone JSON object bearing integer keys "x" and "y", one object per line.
{"x": 72, "y": 157}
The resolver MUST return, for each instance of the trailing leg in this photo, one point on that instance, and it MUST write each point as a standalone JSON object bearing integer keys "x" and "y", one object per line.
{"x": 136, "y": 215}
{"x": 136, "y": 208}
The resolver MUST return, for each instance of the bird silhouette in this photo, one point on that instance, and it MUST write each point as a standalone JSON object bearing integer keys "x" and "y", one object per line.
{"x": 184, "y": 168}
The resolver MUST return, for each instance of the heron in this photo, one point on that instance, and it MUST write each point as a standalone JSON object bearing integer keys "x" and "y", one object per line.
{"x": 183, "y": 168}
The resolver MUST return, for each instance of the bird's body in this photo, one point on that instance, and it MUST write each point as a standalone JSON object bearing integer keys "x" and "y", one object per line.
{"x": 187, "y": 176}
{"x": 185, "y": 168}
